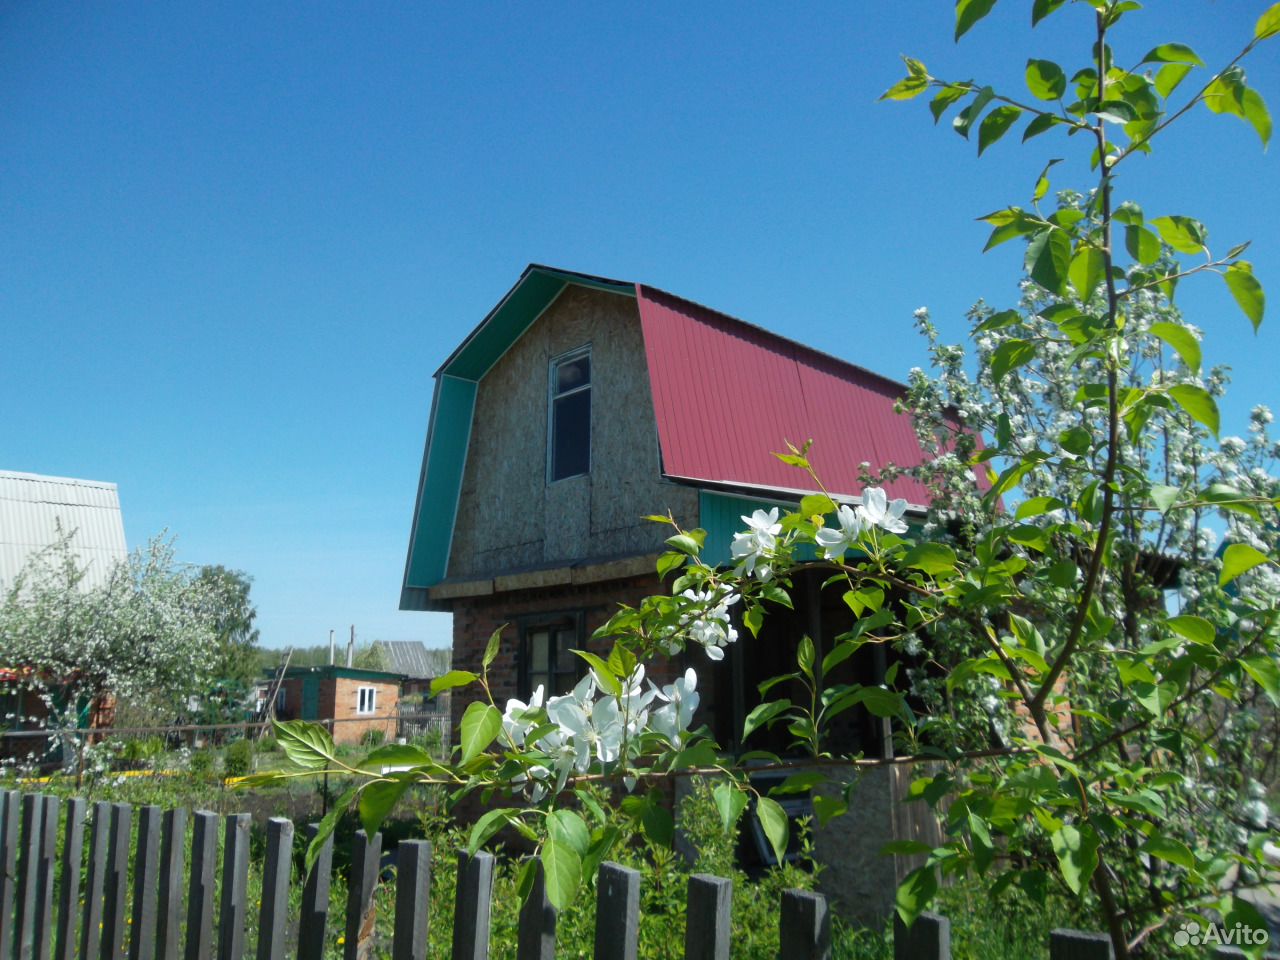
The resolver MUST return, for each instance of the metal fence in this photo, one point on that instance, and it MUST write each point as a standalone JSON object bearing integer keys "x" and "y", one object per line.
{"x": 83, "y": 914}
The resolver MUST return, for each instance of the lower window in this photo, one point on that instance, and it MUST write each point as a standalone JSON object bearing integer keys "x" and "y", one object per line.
{"x": 366, "y": 699}
{"x": 546, "y": 657}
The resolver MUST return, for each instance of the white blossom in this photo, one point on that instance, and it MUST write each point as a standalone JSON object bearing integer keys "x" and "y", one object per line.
{"x": 757, "y": 543}
{"x": 876, "y": 511}
{"x": 834, "y": 543}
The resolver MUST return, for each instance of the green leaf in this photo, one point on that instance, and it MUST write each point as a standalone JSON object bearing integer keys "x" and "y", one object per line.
{"x": 1182, "y": 340}
{"x": 394, "y": 755}
{"x": 1164, "y": 497}
{"x": 454, "y": 678}
{"x": 1042, "y": 8}
{"x": 908, "y": 88}
{"x": 1168, "y": 77}
{"x": 1266, "y": 674}
{"x": 1237, "y": 559}
{"x": 669, "y": 562}
{"x": 1049, "y": 259}
{"x": 659, "y": 826}
{"x": 773, "y": 820}
{"x": 307, "y": 745}
{"x": 763, "y": 714}
{"x": 969, "y": 12}
{"x": 1196, "y": 629}
{"x": 753, "y": 618}
{"x": 730, "y": 802}
{"x": 1244, "y": 286}
{"x": 915, "y": 892}
{"x": 492, "y": 647}
{"x": 1045, "y": 80}
{"x": 568, "y": 828}
{"x": 1268, "y": 24}
{"x": 1142, "y": 244}
{"x": 995, "y": 125}
{"x": 998, "y": 321}
{"x": 1042, "y": 181}
{"x": 932, "y": 558}
{"x": 1170, "y": 850}
{"x": 561, "y": 873}
{"x": 1039, "y": 125}
{"x": 1009, "y": 356}
{"x": 946, "y": 97}
{"x": 1172, "y": 53}
{"x": 481, "y": 724}
{"x": 1254, "y": 109}
{"x": 1086, "y": 271}
{"x": 327, "y": 825}
{"x": 604, "y": 675}
{"x": 1182, "y": 233}
{"x": 828, "y": 808}
{"x": 964, "y": 119}
{"x": 684, "y": 543}
{"x": 1198, "y": 404}
{"x": 488, "y": 825}
{"x": 1077, "y": 852}
{"x": 817, "y": 504}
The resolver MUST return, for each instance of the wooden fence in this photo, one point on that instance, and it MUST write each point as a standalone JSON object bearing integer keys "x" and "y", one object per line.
{"x": 39, "y": 922}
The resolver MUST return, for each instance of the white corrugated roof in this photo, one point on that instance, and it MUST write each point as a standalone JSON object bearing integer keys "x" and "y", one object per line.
{"x": 32, "y": 506}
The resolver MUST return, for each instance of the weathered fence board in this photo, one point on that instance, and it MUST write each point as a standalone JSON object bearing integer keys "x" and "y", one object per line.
{"x": 45, "y": 869}
{"x": 929, "y": 938}
{"x": 91, "y": 929}
{"x": 804, "y": 928}
{"x": 146, "y": 871}
{"x": 29, "y": 874}
{"x": 708, "y": 918}
{"x": 9, "y": 820}
{"x": 413, "y": 900}
{"x": 366, "y": 855}
{"x": 235, "y": 887}
{"x": 617, "y": 912}
{"x": 471, "y": 906}
{"x": 173, "y": 831}
{"x": 537, "y": 937}
{"x": 274, "y": 911}
{"x": 69, "y": 892}
{"x": 315, "y": 901}
{"x": 204, "y": 859}
{"x": 1076, "y": 945}
{"x": 117, "y": 882}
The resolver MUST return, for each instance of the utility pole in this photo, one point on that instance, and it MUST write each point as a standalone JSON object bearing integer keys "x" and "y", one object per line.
{"x": 351, "y": 647}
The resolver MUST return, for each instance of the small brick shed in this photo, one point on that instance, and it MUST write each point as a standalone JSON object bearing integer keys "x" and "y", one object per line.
{"x": 355, "y": 700}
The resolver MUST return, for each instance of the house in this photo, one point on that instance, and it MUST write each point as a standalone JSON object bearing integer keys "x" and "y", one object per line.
{"x": 36, "y": 511}
{"x": 356, "y": 705}
{"x": 580, "y": 405}
{"x": 418, "y": 663}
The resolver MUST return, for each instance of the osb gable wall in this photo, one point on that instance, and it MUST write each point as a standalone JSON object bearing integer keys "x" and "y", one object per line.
{"x": 509, "y": 516}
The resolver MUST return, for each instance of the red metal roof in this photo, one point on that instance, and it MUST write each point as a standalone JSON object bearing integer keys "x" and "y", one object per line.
{"x": 728, "y": 394}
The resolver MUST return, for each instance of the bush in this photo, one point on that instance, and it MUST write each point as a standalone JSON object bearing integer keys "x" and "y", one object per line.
{"x": 373, "y": 738}
{"x": 201, "y": 764}
{"x": 237, "y": 759}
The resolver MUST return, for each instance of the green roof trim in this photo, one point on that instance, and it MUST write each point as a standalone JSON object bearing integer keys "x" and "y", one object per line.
{"x": 334, "y": 671}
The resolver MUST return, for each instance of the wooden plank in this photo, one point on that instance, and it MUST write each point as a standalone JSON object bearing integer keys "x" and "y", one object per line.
{"x": 315, "y": 901}
{"x": 204, "y": 860}
{"x": 117, "y": 882}
{"x": 235, "y": 886}
{"x": 537, "y": 936}
{"x": 44, "y": 877}
{"x": 173, "y": 832}
{"x": 274, "y": 913}
{"x": 1078, "y": 945}
{"x": 708, "y": 918}
{"x": 10, "y": 820}
{"x": 29, "y": 875}
{"x": 929, "y": 938}
{"x": 69, "y": 890}
{"x": 413, "y": 900}
{"x": 366, "y": 854}
{"x": 804, "y": 929}
{"x": 146, "y": 869}
{"x": 617, "y": 912}
{"x": 471, "y": 906}
{"x": 91, "y": 926}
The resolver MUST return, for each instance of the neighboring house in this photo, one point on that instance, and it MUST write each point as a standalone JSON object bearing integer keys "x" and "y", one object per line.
{"x": 580, "y": 405}
{"x": 350, "y": 701}
{"x": 35, "y": 511}
{"x": 418, "y": 663}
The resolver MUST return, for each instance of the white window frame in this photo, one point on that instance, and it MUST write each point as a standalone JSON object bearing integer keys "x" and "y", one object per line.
{"x": 369, "y": 694}
{"x": 552, "y": 395}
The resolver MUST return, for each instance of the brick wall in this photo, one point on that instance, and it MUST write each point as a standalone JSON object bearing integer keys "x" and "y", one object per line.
{"x": 475, "y": 619}
{"x": 339, "y": 699}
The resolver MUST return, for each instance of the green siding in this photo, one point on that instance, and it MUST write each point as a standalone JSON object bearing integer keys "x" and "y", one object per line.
{"x": 720, "y": 514}
{"x": 310, "y": 698}
{"x": 442, "y": 480}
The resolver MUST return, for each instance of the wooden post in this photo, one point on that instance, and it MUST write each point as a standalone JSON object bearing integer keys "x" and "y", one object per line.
{"x": 204, "y": 860}
{"x": 91, "y": 927}
{"x": 235, "y": 886}
{"x": 146, "y": 867}
{"x": 273, "y": 915}
{"x": 366, "y": 855}
{"x": 69, "y": 892}
{"x": 29, "y": 875}
{"x": 1076, "y": 945}
{"x": 315, "y": 901}
{"x": 537, "y": 937}
{"x": 471, "y": 906}
{"x": 708, "y": 919}
{"x": 173, "y": 831}
{"x": 9, "y": 820}
{"x": 117, "y": 879}
{"x": 44, "y": 877}
{"x": 413, "y": 899}
{"x": 804, "y": 931}
{"x": 617, "y": 912}
{"x": 928, "y": 939}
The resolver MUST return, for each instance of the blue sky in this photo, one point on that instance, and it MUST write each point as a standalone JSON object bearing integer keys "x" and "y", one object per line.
{"x": 237, "y": 239}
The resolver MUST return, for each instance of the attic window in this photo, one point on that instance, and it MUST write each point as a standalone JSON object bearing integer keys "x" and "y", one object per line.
{"x": 569, "y": 417}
